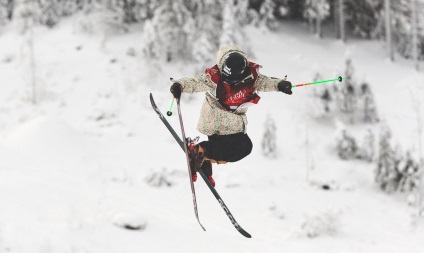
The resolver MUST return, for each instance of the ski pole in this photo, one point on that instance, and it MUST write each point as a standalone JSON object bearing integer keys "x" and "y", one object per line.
{"x": 319, "y": 82}
{"x": 169, "y": 113}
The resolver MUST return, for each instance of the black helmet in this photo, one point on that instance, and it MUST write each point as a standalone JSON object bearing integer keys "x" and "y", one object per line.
{"x": 233, "y": 68}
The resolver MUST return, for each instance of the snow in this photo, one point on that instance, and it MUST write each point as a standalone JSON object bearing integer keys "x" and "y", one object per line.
{"x": 75, "y": 168}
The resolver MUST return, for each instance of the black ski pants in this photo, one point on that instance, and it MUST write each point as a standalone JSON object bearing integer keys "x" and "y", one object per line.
{"x": 229, "y": 148}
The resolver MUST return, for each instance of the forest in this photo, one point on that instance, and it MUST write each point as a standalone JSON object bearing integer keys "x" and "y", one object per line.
{"x": 192, "y": 29}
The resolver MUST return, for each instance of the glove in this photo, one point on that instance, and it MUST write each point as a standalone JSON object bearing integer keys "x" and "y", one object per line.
{"x": 176, "y": 90}
{"x": 285, "y": 87}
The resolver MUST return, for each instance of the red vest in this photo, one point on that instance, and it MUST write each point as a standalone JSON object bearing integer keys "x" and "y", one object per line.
{"x": 240, "y": 95}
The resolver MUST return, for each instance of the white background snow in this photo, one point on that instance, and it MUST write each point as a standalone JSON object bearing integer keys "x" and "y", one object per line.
{"x": 84, "y": 161}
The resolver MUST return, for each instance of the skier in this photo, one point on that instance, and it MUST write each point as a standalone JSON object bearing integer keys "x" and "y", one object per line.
{"x": 231, "y": 86}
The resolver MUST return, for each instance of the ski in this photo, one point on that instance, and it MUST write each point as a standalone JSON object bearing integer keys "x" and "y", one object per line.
{"x": 184, "y": 146}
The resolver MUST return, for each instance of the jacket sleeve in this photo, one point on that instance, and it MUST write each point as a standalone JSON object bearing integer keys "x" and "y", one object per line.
{"x": 266, "y": 83}
{"x": 199, "y": 83}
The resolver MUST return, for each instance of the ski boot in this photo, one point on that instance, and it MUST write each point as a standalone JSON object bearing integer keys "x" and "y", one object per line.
{"x": 196, "y": 156}
{"x": 207, "y": 168}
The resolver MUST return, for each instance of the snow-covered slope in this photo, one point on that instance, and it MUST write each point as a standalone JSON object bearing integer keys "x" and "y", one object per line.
{"x": 84, "y": 162}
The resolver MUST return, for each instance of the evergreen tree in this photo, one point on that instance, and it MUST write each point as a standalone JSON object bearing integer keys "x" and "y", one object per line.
{"x": 386, "y": 160}
{"x": 295, "y": 8}
{"x": 363, "y": 17}
{"x": 166, "y": 35}
{"x": 388, "y": 27}
{"x": 107, "y": 18}
{"x": 414, "y": 41}
{"x": 316, "y": 11}
{"x": 410, "y": 174}
{"x": 207, "y": 32}
{"x": 138, "y": 10}
{"x": 233, "y": 19}
{"x": 346, "y": 146}
{"x": 349, "y": 103}
{"x": 405, "y": 28}
{"x": 339, "y": 10}
{"x": 69, "y": 7}
{"x": 152, "y": 46}
{"x": 229, "y": 26}
{"x": 401, "y": 22}
{"x": 367, "y": 150}
{"x": 49, "y": 15}
{"x": 4, "y": 12}
{"x": 282, "y": 9}
{"x": 368, "y": 104}
{"x": 269, "y": 140}
{"x": 266, "y": 14}
{"x": 326, "y": 99}
{"x": 242, "y": 11}
{"x": 321, "y": 99}
{"x": 204, "y": 50}
{"x": 26, "y": 14}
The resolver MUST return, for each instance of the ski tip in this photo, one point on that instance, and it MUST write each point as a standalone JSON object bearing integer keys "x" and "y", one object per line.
{"x": 244, "y": 233}
{"x": 198, "y": 220}
{"x": 152, "y": 101}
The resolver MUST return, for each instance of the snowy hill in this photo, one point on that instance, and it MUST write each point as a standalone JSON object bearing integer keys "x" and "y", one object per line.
{"x": 87, "y": 160}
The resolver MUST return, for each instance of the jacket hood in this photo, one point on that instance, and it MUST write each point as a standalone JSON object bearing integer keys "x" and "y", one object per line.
{"x": 224, "y": 52}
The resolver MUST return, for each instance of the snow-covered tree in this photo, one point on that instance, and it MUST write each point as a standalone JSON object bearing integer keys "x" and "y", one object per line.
{"x": 414, "y": 41}
{"x": 386, "y": 160}
{"x": 349, "y": 102}
{"x": 348, "y": 106}
{"x": 367, "y": 149}
{"x": 26, "y": 14}
{"x": 269, "y": 139}
{"x": 4, "y": 14}
{"x": 207, "y": 31}
{"x": 266, "y": 14}
{"x": 152, "y": 48}
{"x": 101, "y": 17}
{"x": 294, "y": 8}
{"x": 316, "y": 11}
{"x": 322, "y": 99}
{"x": 339, "y": 7}
{"x": 418, "y": 108}
{"x": 69, "y": 7}
{"x": 49, "y": 15}
{"x": 346, "y": 145}
{"x": 242, "y": 11}
{"x": 137, "y": 10}
{"x": 232, "y": 23}
{"x": 166, "y": 34}
{"x": 367, "y": 103}
{"x": 408, "y": 28}
{"x": 204, "y": 50}
{"x": 362, "y": 17}
{"x": 409, "y": 170}
{"x": 388, "y": 27}
{"x": 105, "y": 17}
{"x": 229, "y": 26}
